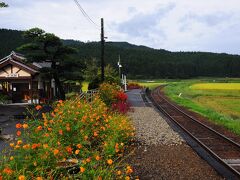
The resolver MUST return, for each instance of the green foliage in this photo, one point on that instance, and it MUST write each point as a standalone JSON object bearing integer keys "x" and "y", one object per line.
{"x": 140, "y": 62}
{"x": 111, "y": 75}
{"x": 44, "y": 46}
{"x": 91, "y": 71}
{"x": 108, "y": 93}
{"x": 48, "y": 47}
{"x": 3, "y": 4}
{"x": 94, "y": 84}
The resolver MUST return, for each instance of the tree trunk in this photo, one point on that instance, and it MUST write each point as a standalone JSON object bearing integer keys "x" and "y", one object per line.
{"x": 59, "y": 86}
{"x": 58, "y": 82}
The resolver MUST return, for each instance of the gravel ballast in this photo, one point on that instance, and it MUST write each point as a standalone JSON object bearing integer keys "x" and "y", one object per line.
{"x": 161, "y": 153}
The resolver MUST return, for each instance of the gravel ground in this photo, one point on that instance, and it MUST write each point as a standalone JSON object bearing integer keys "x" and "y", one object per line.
{"x": 152, "y": 129}
{"x": 160, "y": 153}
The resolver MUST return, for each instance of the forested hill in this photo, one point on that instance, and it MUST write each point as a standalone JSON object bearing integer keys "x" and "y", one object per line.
{"x": 141, "y": 61}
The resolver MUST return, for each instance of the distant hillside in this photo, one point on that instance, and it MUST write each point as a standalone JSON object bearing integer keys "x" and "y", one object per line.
{"x": 9, "y": 40}
{"x": 142, "y": 61}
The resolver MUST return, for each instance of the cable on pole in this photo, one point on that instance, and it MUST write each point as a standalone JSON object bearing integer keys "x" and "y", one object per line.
{"x": 85, "y": 14}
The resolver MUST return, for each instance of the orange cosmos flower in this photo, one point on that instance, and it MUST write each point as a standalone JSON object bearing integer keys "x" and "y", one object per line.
{"x": 45, "y": 146}
{"x": 127, "y": 178}
{"x": 88, "y": 160}
{"x": 55, "y": 151}
{"x": 49, "y": 129}
{"x": 19, "y": 133}
{"x": 69, "y": 149}
{"x": 68, "y": 128}
{"x": 60, "y": 132}
{"x": 82, "y": 169}
{"x": 11, "y": 158}
{"x": 79, "y": 146}
{"x": 11, "y": 144}
{"x": 17, "y": 147}
{"x": 19, "y": 142}
{"x": 44, "y": 116}
{"x": 38, "y": 107}
{"x": 7, "y": 171}
{"x": 109, "y": 161}
{"x": 129, "y": 170}
{"x": 18, "y": 126}
{"x": 34, "y": 146}
{"x": 39, "y": 128}
{"x": 77, "y": 151}
{"x": 97, "y": 158}
{"x": 25, "y": 126}
{"x": 26, "y": 146}
{"x": 21, "y": 177}
{"x": 95, "y": 134}
{"x": 119, "y": 172}
{"x": 39, "y": 178}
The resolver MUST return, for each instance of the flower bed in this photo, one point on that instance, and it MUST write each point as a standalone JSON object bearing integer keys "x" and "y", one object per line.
{"x": 76, "y": 140}
{"x": 133, "y": 85}
{"x": 114, "y": 97}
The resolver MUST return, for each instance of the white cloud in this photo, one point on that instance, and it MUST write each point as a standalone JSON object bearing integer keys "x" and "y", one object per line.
{"x": 207, "y": 25}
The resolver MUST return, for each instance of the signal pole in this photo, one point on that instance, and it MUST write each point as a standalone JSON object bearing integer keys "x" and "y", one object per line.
{"x": 102, "y": 49}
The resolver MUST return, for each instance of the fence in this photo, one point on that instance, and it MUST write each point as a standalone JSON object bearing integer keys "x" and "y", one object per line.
{"x": 88, "y": 95}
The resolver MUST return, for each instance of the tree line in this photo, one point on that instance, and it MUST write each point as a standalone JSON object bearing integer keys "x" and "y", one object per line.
{"x": 138, "y": 61}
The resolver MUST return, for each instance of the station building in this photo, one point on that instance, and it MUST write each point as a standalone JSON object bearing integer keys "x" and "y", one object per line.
{"x": 22, "y": 82}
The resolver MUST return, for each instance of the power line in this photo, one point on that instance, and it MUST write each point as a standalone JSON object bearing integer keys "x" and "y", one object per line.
{"x": 85, "y": 14}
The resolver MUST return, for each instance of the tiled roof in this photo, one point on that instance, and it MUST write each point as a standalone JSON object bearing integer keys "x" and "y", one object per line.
{"x": 19, "y": 58}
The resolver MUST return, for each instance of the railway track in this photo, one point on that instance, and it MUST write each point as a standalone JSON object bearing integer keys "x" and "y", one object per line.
{"x": 220, "y": 147}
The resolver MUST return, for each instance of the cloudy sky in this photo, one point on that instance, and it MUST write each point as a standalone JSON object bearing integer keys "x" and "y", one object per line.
{"x": 176, "y": 25}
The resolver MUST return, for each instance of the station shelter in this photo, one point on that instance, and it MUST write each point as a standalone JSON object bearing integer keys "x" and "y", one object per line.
{"x": 22, "y": 82}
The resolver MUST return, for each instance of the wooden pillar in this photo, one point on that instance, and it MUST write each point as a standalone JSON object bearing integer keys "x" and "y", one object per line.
{"x": 31, "y": 90}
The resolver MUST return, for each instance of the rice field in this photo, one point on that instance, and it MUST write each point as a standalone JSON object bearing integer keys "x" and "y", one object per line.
{"x": 220, "y": 102}
{"x": 216, "y": 86}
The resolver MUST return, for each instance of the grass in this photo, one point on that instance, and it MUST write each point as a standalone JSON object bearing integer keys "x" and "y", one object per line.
{"x": 217, "y": 101}
{"x": 150, "y": 84}
{"x": 226, "y": 105}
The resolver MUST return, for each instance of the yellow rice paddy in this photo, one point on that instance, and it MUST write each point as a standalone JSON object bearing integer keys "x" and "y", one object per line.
{"x": 216, "y": 86}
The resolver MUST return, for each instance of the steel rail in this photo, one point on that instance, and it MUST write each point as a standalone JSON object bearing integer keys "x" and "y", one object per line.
{"x": 214, "y": 131}
{"x": 219, "y": 159}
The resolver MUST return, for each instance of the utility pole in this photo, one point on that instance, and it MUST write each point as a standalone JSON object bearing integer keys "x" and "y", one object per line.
{"x": 102, "y": 49}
